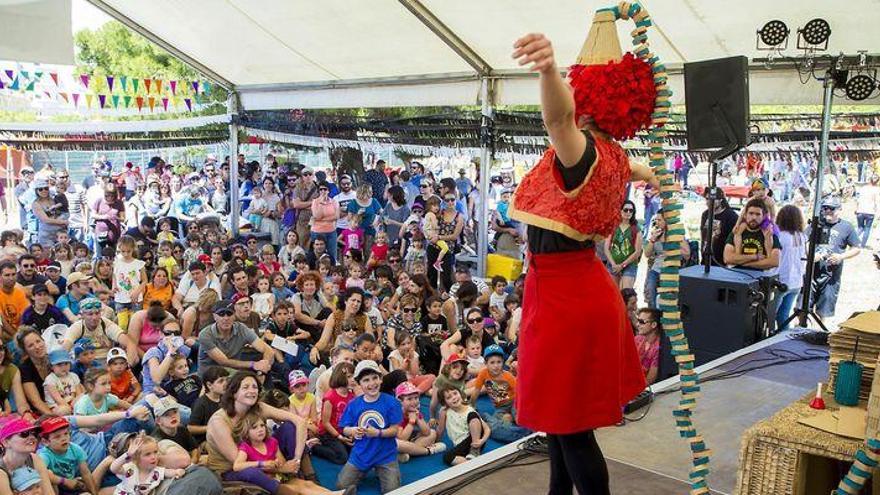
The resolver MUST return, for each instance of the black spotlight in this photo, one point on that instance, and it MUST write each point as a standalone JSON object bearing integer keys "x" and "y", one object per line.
{"x": 774, "y": 33}
{"x": 815, "y": 34}
{"x": 860, "y": 87}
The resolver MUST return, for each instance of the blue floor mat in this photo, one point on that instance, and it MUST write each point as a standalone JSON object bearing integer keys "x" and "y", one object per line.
{"x": 414, "y": 470}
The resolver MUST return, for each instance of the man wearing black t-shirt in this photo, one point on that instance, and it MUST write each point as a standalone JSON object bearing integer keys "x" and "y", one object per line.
{"x": 749, "y": 245}
{"x": 144, "y": 233}
{"x": 723, "y": 221}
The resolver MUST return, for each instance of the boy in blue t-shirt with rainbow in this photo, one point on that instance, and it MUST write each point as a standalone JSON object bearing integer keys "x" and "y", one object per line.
{"x": 372, "y": 421}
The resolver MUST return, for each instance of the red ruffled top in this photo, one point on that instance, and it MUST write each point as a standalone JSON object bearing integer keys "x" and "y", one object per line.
{"x": 589, "y": 211}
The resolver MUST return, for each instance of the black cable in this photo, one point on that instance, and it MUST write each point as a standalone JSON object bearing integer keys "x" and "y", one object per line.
{"x": 535, "y": 446}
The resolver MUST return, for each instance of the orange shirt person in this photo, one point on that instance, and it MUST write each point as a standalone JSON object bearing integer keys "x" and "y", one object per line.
{"x": 13, "y": 300}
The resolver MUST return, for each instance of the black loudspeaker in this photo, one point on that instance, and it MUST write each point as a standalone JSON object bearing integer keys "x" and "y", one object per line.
{"x": 722, "y": 312}
{"x": 717, "y": 89}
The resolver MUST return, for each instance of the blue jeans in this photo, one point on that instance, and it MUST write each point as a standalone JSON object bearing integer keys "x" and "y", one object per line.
{"x": 504, "y": 431}
{"x": 651, "y": 208}
{"x": 786, "y": 301}
{"x": 388, "y": 474}
{"x": 864, "y": 222}
{"x": 652, "y": 280}
{"x": 330, "y": 238}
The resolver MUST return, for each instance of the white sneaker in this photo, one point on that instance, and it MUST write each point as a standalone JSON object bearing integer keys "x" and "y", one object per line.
{"x": 402, "y": 458}
{"x": 437, "y": 448}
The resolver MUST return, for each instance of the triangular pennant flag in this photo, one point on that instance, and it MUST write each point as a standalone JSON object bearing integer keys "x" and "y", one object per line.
{"x": 165, "y": 103}
{"x": 14, "y": 85}
{"x": 64, "y": 95}
{"x": 115, "y": 99}
{"x": 189, "y": 104}
{"x": 102, "y": 99}
{"x": 30, "y": 87}
{"x": 75, "y": 99}
{"x": 1, "y": 85}
{"x": 206, "y": 87}
{"x": 10, "y": 74}
{"x": 127, "y": 101}
{"x": 89, "y": 98}
{"x": 110, "y": 80}
{"x": 54, "y": 76}
{"x": 140, "y": 102}
{"x": 173, "y": 85}
{"x": 147, "y": 83}
{"x": 24, "y": 74}
{"x": 158, "y": 85}
{"x": 124, "y": 81}
{"x": 85, "y": 80}
{"x": 152, "y": 102}
{"x": 135, "y": 83}
{"x": 195, "y": 85}
{"x": 38, "y": 74}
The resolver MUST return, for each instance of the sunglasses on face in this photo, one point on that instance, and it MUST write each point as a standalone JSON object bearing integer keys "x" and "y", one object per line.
{"x": 409, "y": 310}
{"x": 172, "y": 333}
{"x": 643, "y": 322}
{"x": 224, "y": 312}
{"x": 424, "y": 186}
{"x": 252, "y": 242}
{"x": 60, "y": 177}
{"x": 628, "y": 210}
{"x": 28, "y": 266}
{"x": 42, "y": 188}
{"x": 393, "y": 262}
{"x": 307, "y": 174}
{"x": 29, "y": 433}
{"x": 323, "y": 189}
{"x": 478, "y": 319}
{"x": 450, "y": 200}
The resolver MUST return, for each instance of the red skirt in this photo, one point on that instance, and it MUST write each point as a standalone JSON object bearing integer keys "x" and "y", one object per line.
{"x": 578, "y": 363}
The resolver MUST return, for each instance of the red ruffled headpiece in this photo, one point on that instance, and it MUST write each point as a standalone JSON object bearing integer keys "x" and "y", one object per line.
{"x": 619, "y": 96}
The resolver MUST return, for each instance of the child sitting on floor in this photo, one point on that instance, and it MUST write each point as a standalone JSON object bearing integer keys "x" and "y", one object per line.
{"x": 465, "y": 428}
{"x": 415, "y": 437}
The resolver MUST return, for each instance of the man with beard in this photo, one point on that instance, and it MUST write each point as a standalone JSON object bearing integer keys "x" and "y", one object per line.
{"x": 749, "y": 245}
{"x": 13, "y": 300}
{"x": 346, "y": 195}
{"x": 838, "y": 241}
{"x": 28, "y": 276}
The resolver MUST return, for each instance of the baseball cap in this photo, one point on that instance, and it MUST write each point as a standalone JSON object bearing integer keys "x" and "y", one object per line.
{"x": 364, "y": 367}
{"x": 14, "y": 426}
{"x": 239, "y": 296}
{"x": 53, "y": 424}
{"x": 223, "y": 306}
{"x": 77, "y": 277}
{"x": 40, "y": 289}
{"x": 59, "y": 356}
{"x": 82, "y": 345}
{"x": 405, "y": 388}
{"x": 165, "y": 404}
{"x": 40, "y": 182}
{"x": 116, "y": 353}
{"x": 454, "y": 358}
{"x": 26, "y": 169}
{"x": 53, "y": 265}
{"x": 296, "y": 377}
{"x": 24, "y": 478}
{"x": 831, "y": 202}
{"x": 494, "y": 350}
{"x": 488, "y": 322}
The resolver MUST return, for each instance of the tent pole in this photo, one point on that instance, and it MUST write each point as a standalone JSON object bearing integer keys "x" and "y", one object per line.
{"x": 486, "y": 142}
{"x": 232, "y": 109}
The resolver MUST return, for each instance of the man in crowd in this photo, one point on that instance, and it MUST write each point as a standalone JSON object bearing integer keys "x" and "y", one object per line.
{"x": 304, "y": 192}
{"x": 78, "y": 287}
{"x": 196, "y": 279}
{"x": 723, "y": 221}
{"x": 238, "y": 283}
{"x": 838, "y": 241}
{"x": 346, "y": 195}
{"x": 42, "y": 314}
{"x": 224, "y": 343}
{"x": 22, "y": 192}
{"x": 749, "y": 245}
{"x": 28, "y": 276}
{"x": 145, "y": 233}
{"x": 462, "y": 275}
{"x": 378, "y": 181}
{"x": 244, "y": 314}
{"x": 76, "y": 204}
{"x": 103, "y": 332}
{"x": 463, "y": 184}
{"x": 13, "y": 300}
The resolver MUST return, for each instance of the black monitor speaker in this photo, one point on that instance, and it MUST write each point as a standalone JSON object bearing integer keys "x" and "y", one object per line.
{"x": 716, "y": 89}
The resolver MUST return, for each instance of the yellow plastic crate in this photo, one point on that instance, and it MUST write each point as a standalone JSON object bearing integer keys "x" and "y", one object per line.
{"x": 508, "y": 268}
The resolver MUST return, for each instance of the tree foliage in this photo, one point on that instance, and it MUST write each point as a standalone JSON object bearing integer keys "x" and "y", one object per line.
{"x": 113, "y": 49}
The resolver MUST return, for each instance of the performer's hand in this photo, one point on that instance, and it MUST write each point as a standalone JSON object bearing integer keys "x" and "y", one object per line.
{"x": 535, "y": 49}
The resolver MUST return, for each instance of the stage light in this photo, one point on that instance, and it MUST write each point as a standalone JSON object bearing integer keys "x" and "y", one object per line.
{"x": 860, "y": 87}
{"x": 815, "y": 34}
{"x": 774, "y": 33}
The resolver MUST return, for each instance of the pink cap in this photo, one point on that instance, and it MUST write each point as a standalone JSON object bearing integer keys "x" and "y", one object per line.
{"x": 15, "y": 426}
{"x": 405, "y": 388}
{"x": 297, "y": 377}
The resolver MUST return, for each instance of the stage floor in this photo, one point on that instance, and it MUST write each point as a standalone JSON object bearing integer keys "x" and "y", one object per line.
{"x": 648, "y": 456}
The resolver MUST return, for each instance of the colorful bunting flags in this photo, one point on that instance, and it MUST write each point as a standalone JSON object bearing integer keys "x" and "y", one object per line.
{"x": 173, "y": 85}
{"x": 195, "y": 86}
{"x": 115, "y": 99}
{"x": 188, "y": 103}
{"x": 110, "y": 80}
{"x": 14, "y": 85}
{"x": 30, "y": 86}
{"x": 124, "y": 81}
{"x": 127, "y": 100}
{"x": 75, "y": 100}
{"x": 157, "y": 83}
{"x": 84, "y": 78}
{"x": 147, "y": 84}
{"x": 10, "y": 74}
{"x": 102, "y": 99}
{"x": 140, "y": 102}
{"x": 165, "y": 104}
{"x": 89, "y": 98}
{"x": 152, "y": 102}
{"x": 54, "y": 76}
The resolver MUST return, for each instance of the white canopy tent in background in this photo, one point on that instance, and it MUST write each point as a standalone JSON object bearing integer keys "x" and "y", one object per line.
{"x": 282, "y": 54}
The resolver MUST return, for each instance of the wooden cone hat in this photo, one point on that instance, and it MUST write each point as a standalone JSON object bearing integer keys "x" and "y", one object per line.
{"x": 602, "y": 45}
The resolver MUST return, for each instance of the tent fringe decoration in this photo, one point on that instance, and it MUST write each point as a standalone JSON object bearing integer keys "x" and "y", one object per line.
{"x": 671, "y": 208}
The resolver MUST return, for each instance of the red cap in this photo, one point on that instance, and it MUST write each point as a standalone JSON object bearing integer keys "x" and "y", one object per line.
{"x": 53, "y": 424}
{"x": 204, "y": 258}
{"x": 239, "y": 296}
{"x": 454, "y": 358}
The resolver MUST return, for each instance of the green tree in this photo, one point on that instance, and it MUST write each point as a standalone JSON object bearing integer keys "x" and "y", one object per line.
{"x": 113, "y": 49}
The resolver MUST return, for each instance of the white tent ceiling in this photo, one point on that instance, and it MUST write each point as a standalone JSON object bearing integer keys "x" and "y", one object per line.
{"x": 354, "y": 53}
{"x": 36, "y": 31}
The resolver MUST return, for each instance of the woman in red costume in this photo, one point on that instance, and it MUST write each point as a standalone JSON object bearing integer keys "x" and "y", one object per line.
{"x": 578, "y": 363}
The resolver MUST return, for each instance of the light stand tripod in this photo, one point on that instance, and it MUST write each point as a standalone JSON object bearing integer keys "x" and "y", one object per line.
{"x": 805, "y": 311}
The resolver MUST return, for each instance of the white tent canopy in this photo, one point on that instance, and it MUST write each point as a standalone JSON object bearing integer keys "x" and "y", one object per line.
{"x": 351, "y": 53}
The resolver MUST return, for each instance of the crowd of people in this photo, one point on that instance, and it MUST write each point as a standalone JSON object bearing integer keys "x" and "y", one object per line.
{"x": 128, "y": 308}
{"x": 144, "y": 343}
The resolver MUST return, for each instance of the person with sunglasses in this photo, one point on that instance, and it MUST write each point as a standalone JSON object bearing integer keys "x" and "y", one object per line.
{"x": 838, "y": 242}
{"x": 20, "y": 439}
{"x": 473, "y": 326}
{"x": 325, "y": 217}
{"x": 305, "y": 191}
{"x": 649, "y": 330}
{"x": 225, "y": 342}
{"x": 623, "y": 248}
{"x": 50, "y": 216}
